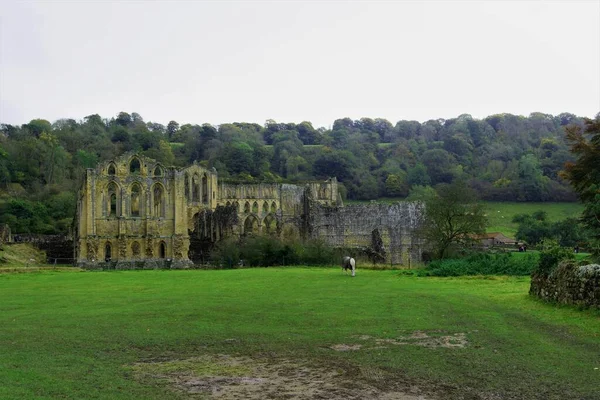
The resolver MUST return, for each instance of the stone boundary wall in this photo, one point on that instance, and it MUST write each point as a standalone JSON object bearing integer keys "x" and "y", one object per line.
{"x": 569, "y": 284}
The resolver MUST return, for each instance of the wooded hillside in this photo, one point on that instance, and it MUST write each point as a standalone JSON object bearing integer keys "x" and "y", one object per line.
{"x": 504, "y": 157}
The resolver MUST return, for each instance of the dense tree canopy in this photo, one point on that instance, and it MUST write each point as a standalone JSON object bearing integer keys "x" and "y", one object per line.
{"x": 502, "y": 157}
{"x": 584, "y": 172}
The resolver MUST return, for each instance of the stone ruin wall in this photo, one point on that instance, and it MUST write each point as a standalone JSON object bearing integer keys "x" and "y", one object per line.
{"x": 352, "y": 226}
{"x": 276, "y": 203}
{"x": 160, "y": 233}
{"x": 569, "y": 284}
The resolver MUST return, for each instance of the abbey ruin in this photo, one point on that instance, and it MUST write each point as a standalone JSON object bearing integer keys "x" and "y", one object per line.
{"x": 134, "y": 212}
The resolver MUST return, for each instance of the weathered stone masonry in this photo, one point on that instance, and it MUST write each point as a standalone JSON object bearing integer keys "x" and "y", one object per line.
{"x": 134, "y": 212}
{"x": 569, "y": 284}
{"x": 353, "y": 226}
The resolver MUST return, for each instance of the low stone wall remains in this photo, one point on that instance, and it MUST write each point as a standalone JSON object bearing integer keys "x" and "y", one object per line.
{"x": 569, "y": 284}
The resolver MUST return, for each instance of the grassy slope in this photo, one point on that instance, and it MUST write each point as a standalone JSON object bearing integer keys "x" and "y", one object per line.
{"x": 71, "y": 335}
{"x": 500, "y": 214}
{"x": 21, "y": 255}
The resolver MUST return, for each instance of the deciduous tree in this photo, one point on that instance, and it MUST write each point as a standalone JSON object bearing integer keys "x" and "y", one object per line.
{"x": 453, "y": 218}
{"x": 584, "y": 173}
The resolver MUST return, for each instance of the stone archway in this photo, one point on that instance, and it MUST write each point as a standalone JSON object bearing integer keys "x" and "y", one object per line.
{"x": 270, "y": 225}
{"x": 251, "y": 225}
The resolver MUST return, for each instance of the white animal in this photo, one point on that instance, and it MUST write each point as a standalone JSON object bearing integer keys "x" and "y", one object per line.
{"x": 348, "y": 263}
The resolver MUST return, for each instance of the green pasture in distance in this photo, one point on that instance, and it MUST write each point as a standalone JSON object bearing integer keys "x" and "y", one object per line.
{"x": 500, "y": 214}
{"x": 78, "y": 334}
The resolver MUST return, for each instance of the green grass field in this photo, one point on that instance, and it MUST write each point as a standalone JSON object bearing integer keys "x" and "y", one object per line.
{"x": 500, "y": 214}
{"x": 81, "y": 335}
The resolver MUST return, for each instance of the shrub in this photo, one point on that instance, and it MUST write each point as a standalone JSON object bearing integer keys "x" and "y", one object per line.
{"x": 551, "y": 255}
{"x": 482, "y": 264}
{"x": 267, "y": 251}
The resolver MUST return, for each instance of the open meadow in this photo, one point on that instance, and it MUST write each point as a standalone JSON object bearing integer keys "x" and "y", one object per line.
{"x": 289, "y": 333}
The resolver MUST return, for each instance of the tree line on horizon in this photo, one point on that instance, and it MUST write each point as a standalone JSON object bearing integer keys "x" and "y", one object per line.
{"x": 503, "y": 157}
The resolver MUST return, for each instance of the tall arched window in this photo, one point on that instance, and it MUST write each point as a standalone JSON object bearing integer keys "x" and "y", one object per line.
{"x": 204, "y": 189}
{"x": 246, "y": 208}
{"x": 186, "y": 185}
{"x": 270, "y": 225}
{"x": 107, "y": 252}
{"x": 273, "y": 207}
{"x": 255, "y": 208}
{"x": 136, "y": 196}
{"x": 251, "y": 225}
{"x": 112, "y": 208}
{"x": 196, "y": 188}
{"x": 158, "y": 171}
{"x": 265, "y": 209}
{"x": 162, "y": 251}
{"x": 111, "y": 169}
{"x": 158, "y": 201}
{"x": 134, "y": 166}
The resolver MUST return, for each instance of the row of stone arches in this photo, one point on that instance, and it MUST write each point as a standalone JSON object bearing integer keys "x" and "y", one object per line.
{"x": 135, "y": 204}
{"x": 253, "y": 225}
{"x": 136, "y": 250}
{"x": 254, "y": 208}
{"x": 135, "y": 167}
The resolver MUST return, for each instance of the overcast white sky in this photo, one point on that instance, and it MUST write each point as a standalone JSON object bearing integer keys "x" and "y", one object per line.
{"x": 293, "y": 61}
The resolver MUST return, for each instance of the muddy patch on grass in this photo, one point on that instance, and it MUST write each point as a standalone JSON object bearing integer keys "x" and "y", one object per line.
{"x": 228, "y": 377}
{"x": 346, "y": 347}
{"x": 430, "y": 339}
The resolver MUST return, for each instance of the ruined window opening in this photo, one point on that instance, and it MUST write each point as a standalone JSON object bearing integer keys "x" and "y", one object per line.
{"x": 107, "y": 252}
{"x": 134, "y": 166}
{"x": 255, "y": 208}
{"x": 158, "y": 201}
{"x": 162, "y": 250}
{"x": 111, "y": 170}
{"x": 247, "y": 208}
{"x": 187, "y": 187}
{"x": 158, "y": 171}
{"x": 273, "y": 207}
{"x": 204, "y": 189}
{"x": 135, "y": 249}
{"x": 270, "y": 225}
{"x": 265, "y": 207}
{"x": 195, "y": 189}
{"x": 250, "y": 225}
{"x": 135, "y": 201}
{"x": 112, "y": 206}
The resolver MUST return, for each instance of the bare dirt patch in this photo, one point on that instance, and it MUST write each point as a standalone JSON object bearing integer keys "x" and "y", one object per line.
{"x": 227, "y": 377}
{"x": 417, "y": 338}
{"x": 346, "y": 347}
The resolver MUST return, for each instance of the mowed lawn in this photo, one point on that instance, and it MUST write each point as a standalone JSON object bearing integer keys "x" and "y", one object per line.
{"x": 76, "y": 334}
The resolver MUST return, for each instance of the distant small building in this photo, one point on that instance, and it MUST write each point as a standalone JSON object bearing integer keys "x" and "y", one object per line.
{"x": 496, "y": 239}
